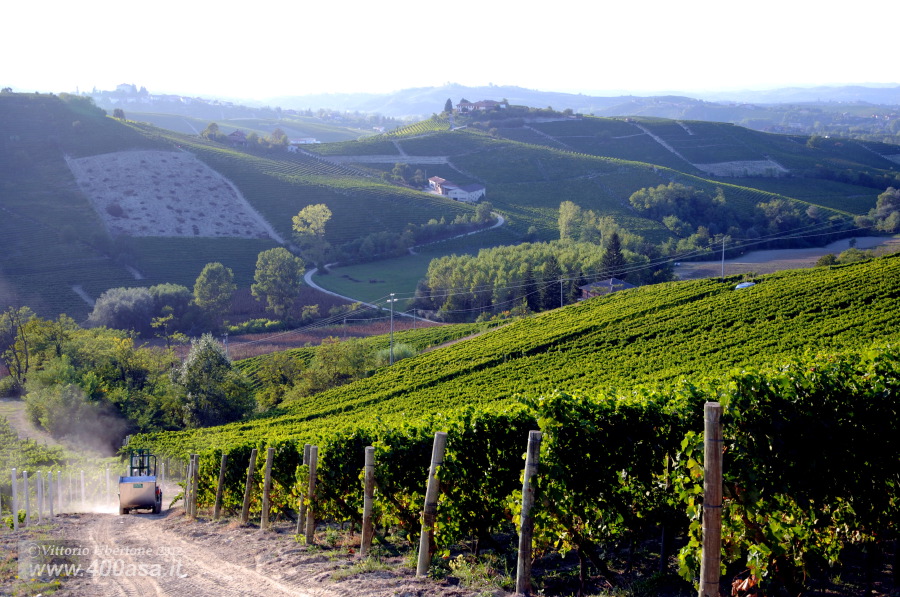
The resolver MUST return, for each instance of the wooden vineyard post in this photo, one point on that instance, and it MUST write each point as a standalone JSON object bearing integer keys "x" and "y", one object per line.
{"x": 429, "y": 512}
{"x": 368, "y": 495}
{"x": 267, "y": 485}
{"x": 196, "y": 485}
{"x": 39, "y": 486}
{"x": 60, "y": 490}
{"x": 15, "y": 501}
{"x": 301, "y": 508}
{"x": 526, "y": 526}
{"x": 108, "y": 493}
{"x": 311, "y": 495}
{"x": 188, "y": 485}
{"x": 220, "y": 486}
{"x": 712, "y": 500}
{"x": 248, "y": 487}
{"x": 27, "y": 499}
{"x": 50, "y": 492}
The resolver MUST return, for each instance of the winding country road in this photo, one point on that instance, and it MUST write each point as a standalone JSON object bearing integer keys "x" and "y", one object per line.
{"x": 308, "y": 276}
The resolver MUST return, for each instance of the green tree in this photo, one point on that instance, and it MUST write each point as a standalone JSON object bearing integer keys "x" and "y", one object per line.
{"x": 887, "y": 210}
{"x": 213, "y": 289}
{"x": 448, "y": 106}
{"x": 278, "y": 138}
{"x": 569, "y": 220}
{"x": 484, "y": 212}
{"x": 278, "y": 278}
{"x": 613, "y": 262}
{"x": 123, "y": 308}
{"x": 309, "y": 232}
{"x": 119, "y": 113}
{"x": 212, "y": 132}
{"x": 16, "y": 343}
{"x": 213, "y": 393}
{"x": 335, "y": 363}
{"x": 550, "y": 284}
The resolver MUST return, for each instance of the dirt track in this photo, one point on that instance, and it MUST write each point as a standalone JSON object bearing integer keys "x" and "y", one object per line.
{"x": 221, "y": 558}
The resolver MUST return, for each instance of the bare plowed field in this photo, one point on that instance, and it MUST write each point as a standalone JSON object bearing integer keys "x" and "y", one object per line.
{"x": 163, "y": 193}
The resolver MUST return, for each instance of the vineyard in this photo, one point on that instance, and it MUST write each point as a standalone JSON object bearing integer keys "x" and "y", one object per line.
{"x": 642, "y": 451}
{"x": 795, "y": 430}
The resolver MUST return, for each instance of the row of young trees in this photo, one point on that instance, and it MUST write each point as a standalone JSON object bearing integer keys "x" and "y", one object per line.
{"x": 528, "y": 277}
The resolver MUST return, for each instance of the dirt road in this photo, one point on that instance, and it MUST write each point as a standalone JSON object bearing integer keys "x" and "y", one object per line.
{"x": 165, "y": 554}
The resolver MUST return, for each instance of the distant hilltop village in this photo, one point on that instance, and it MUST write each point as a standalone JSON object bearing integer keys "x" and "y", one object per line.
{"x": 128, "y": 93}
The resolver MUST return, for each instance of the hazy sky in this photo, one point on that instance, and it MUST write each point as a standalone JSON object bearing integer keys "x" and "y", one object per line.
{"x": 268, "y": 48}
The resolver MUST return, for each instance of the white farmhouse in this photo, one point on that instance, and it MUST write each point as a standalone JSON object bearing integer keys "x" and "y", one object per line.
{"x": 470, "y": 193}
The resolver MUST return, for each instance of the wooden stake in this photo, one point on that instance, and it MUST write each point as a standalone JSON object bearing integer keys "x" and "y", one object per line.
{"x": 526, "y": 526}
{"x": 311, "y": 496}
{"x": 15, "y": 501}
{"x": 267, "y": 484}
{"x": 429, "y": 512}
{"x": 301, "y": 509}
{"x": 368, "y": 496}
{"x": 50, "y": 492}
{"x": 220, "y": 487}
{"x": 188, "y": 485}
{"x": 27, "y": 499}
{"x": 712, "y": 500}
{"x": 39, "y": 484}
{"x": 195, "y": 485}
{"x": 251, "y": 470}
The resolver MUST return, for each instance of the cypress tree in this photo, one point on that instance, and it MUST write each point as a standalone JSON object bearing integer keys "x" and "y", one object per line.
{"x": 613, "y": 262}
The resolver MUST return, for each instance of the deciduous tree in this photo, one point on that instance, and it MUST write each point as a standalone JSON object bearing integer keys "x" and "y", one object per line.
{"x": 278, "y": 278}
{"x": 213, "y": 392}
{"x": 309, "y": 232}
{"x": 214, "y": 288}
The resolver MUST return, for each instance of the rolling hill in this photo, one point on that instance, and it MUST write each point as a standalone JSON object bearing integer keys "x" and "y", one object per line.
{"x": 655, "y": 335}
{"x": 59, "y": 253}
{"x": 57, "y": 248}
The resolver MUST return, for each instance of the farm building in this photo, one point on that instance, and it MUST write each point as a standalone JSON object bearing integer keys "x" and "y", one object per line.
{"x": 469, "y": 193}
{"x": 294, "y": 146}
{"x": 603, "y": 287}
{"x": 238, "y": 138}
{"x": 483, "y": 105}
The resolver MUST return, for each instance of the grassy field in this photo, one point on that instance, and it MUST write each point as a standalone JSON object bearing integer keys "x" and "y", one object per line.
{"x": 374, "y": 282}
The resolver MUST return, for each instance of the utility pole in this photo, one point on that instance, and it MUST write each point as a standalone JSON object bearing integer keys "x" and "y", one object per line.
{"x": 226, "y": 344}
{"x": 560, "y": 292}
{"x": 392, "y": 300}
{"x": 723, "y": 257}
